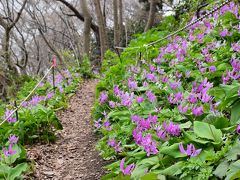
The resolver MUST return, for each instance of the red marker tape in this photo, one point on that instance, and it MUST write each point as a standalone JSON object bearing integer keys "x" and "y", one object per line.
{"x": 54, "y": 61}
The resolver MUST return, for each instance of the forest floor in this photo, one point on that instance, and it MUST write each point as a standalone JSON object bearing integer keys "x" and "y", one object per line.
{"x": 73, "y": 155}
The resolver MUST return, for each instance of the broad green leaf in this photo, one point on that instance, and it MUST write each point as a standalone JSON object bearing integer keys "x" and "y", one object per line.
{"x": 173, "y": 170}
{"x": 207, "y": 131}
{"x": 218, "y": 121}
{"x": 234, "y": 152}
{"x": 121, "y": 176}
{"x": 149, "y": 176}
{"x": 234, "y": 171}
{"x": 151, "y": 160}
{"x": 172, "y": 150}
{"x": 186, "y": 125}
{"x": 221, "y": 170}
{"x": 190, "y": 136}
{"x": 17, "y": 171}
{"x": 139, "y": 171}
{"x": 235, "y": 113}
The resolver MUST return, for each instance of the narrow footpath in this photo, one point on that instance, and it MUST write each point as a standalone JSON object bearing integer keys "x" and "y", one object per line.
{"x": 73, "y": 156}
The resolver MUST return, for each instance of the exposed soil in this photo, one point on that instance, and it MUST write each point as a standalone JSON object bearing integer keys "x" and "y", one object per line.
{"x": 73, "y": 156}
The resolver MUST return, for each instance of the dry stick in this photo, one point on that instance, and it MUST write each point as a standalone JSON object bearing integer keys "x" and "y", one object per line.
{"x": 181, "y": 29}
{"x": 33, "y": 90}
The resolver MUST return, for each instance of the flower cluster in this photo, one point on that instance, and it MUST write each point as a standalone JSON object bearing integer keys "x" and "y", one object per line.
{"x": 115, "y": 145}
{"x": 10, "y": 151}
{"x": 11, "y": 119}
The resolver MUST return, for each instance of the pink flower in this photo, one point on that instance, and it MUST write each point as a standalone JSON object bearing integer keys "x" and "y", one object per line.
{"x": 212, "y": 69}
{"x": 128, "y": 170}
{"x": 182, "y": 109}
{"x": 161, "y": 134}
{"x": 132, "y": 84}
{"x": 238, "y": 129}
{"x": 172, "y": 129}
{"x": 225, "y": 32}
{"x": 191, "y": 150}
{"x": 9, "y": 151}
{"x": 140, "y": 99}
{"x": 112, "y": 104}
{"x": 103, "y": 97}
{"x": 151, "y": 96}
{"x": 236, "y": 47}
{"x": 11, "y": 119}
{"x": 192, "y": 98}
{"x": 197, "y": 111}
{"x": 13, "y": 139}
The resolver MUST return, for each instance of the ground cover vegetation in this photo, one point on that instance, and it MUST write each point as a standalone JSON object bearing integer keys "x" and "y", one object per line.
{"x": 35, "y": 122}
{"x": 171, "y": 110}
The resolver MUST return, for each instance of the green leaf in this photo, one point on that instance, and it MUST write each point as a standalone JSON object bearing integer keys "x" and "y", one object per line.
{"x": 172, "y": 150}
{"x": 235, "y": 113}
{"x": 208, "y": 131}
{"x": 122, "y": 177}
{"x": 173, "y": 170}
{"x": 234, "y": 171}
{"x": 234, "y": 152}
{"x": 17, "y": 171}
{"x": 221, "y": 170}
{"x": 4, "y": 170}
{"x": 151, "y": 161}
{"x": 149, "y": 176}
{"x": 186, "y": 125}
{"x": 190, "y": 136}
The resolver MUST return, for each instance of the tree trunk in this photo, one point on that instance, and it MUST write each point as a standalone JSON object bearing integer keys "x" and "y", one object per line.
{"x": 94, "y": 27}
{"x": 120, "y": 22}
{"x": 116, "y": 25}
{"x": 151, "y": 15}
{"x": 87, "y": 28}
{"x": 102, "y": 28}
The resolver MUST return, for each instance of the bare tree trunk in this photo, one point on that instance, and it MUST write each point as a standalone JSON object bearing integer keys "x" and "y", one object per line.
{"x": 94, "y": 27}
{"x": 87, "y": 27}
{"x": 151, "y": 15}
{"x": 116, "y": 25}
{"x": 120, "y": 22}
{"x": 52, "y": 48}
{"x": 102, "y": 28}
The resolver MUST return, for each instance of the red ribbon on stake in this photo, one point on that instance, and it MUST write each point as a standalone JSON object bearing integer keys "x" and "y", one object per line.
{"x": 54, "y": 61}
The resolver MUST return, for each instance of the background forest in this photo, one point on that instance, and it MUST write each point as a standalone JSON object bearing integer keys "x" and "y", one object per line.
{"x": 33, "y": 30}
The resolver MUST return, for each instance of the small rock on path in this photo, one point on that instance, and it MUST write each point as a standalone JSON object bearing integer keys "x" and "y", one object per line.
{"x": 73, "y": 156}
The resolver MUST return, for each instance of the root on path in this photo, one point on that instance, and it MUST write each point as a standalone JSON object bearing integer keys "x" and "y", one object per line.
{"x": 73, "y": 156}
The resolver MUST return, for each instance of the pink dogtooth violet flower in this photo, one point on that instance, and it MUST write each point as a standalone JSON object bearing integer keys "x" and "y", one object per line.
{"x": 112, "y": 104}
{"x": 225, "y": 32}
{"x": 182, "y": 109}
{"x": 140, "y": 99}
{"x": 212, "y": 69}
{"x": 197, "y": 111}
{"x": 192, "y": 98}
{"x": 13, "y": 139}
{"x": 172, "y": 129}
{"x": 236, "y": 47}
{"x": 191, "y": 150}
{"x": 11, "y": 119}
{"x": 151, "y": 97}
{"x": 9, "y": 152}
{"x": 238, "y": 129}
{"x": 132, "y": 84}
{"x": 103, "y": 97}
{"x": 161, "y": 134}
{"x": 128, "y": 170}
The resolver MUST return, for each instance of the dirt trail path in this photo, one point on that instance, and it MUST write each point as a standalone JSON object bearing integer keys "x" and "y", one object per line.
{"x": 73, "y": 156}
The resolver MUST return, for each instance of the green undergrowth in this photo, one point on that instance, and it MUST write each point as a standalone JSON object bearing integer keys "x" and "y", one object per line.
{"x": 37, "y": 120}
{"x": 156, "y": 138}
